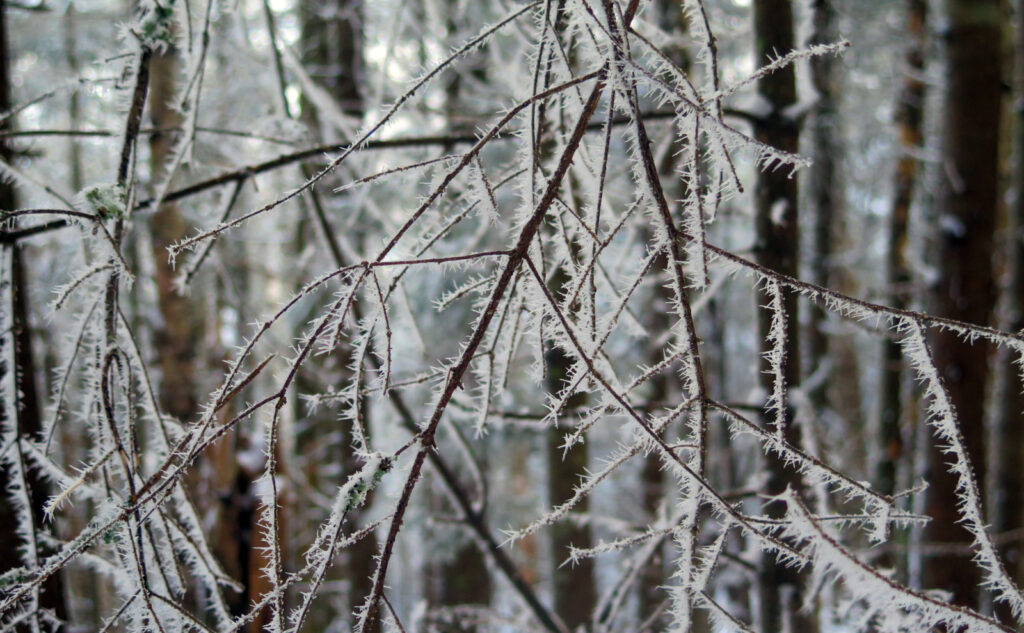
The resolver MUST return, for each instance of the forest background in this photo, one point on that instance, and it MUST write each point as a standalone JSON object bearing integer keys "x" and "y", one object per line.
{"x": 603, "y": 315}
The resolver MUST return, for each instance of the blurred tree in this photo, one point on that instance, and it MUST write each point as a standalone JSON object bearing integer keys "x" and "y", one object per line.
{"x": 776, "y": 222}
{"x": 1008, "y": 434}
{"x": 22, "y": 414}
{"x": 910, "y": 123}
{"x": 965, "y": 291}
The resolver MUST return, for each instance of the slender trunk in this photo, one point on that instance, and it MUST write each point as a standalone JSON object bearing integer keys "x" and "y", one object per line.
{"x": 26, "y": 424}
{"x": 776, "y": 247}
{"x": 180, "y": 330}
{"x": 84, "y": 587}
{"x": 1008, "y": 478}
{"x": 653, "y": 579}
{"x": 909, "y": 120}
{"x": 825, "y": 195}
{"x": 968, "y": 207}
{"x": 177, "y": 335}
{"x": 462, "y": 578}
{"x": 574, "y": 588}
{"x": 829, "y": 356}
{"x": 74, "y": 100}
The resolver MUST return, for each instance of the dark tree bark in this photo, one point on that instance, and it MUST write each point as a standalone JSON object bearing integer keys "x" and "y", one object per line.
{"x": 574, "y": 588}
{"x": 332, "y": 50}
{"x": 968, "y": 206}
{"x": 1008, "y": 478}
{"x": 776, "y": 247}
{"x": 829, "y": 356}
{"x": 825, "y": 194}
{"x": 461, "y": 578}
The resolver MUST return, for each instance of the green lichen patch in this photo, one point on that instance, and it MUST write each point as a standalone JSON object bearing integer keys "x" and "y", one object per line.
{"x": 106, "y": 200}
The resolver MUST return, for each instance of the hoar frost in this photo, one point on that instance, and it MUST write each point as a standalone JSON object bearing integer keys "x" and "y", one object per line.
{"x": 107, "y": 200}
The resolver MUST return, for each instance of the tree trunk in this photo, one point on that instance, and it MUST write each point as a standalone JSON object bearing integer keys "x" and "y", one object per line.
{"x": 459, "y": 579}
{"x": 909, "y": 120}
{"x": 653, "y": 579}
{"x": 24, "y": 417}
{"x": 968, "y": 206}
{"x": 1008, "y": 478}
{"x": 824, "y": 190}
{"x": 573, "y": 587}
{"x": 776, "y": 247}
{"x": 26, "y": 424}
{"x": 181, "y": 328}
{"x": 74, "y": 100}
{"x": 829, "y": 356}
{"x": 463, "y": 578}
{"x": 332, "y": 32}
